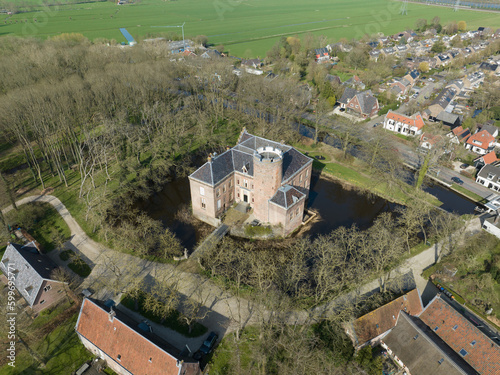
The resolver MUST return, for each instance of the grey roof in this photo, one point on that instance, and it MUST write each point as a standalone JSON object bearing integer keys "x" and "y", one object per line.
{"x": 422, "y": 351}
{"x": 490, "y": 170}
{"x": 448, "y": 118}
{"x": 458, "y": 83}
{"x": 287, "y": 196}
{"x": 32, "y": 269}
{"x": 487, "y": 66}
{"x": 241, "y": 155}
{"x": 445, "y": 97}
{"x": 332, "y": 78}
{"x": 321, "y": 51}
{"x": 492, "y": 129}
{"x": 348, "y": 94}
{"x": 366, "y": 101}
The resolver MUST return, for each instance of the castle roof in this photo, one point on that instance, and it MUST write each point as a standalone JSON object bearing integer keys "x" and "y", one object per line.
{"x": 240, "y": 159}
{"x": 287, "y": 196}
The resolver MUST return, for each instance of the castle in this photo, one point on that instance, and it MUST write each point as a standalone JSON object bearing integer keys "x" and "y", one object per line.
{"x": 272, "y": 178}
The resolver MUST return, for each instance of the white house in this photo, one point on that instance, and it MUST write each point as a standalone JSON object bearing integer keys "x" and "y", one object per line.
{"x": 481, "y": 143}
{"x": 402, "y": 124}
{"x": 489, "y": 176}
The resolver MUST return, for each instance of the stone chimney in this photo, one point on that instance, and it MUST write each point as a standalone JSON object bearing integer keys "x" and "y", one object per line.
{"x": 111, "y": 314}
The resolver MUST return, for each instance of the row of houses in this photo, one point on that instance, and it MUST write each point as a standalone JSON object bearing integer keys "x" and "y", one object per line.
{"x": 435, "y": 339}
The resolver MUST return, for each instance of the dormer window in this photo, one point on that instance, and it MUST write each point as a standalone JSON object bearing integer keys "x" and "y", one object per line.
{"x": 244, "y": 169}
{"x": 28, "y": 290}
{"x": 491, "y": 176}
{"x": 119, "y": 357}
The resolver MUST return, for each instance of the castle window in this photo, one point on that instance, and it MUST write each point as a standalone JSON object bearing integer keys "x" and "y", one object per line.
{"x": 202, "y": 190}
{"x": 230, "y": 196}
{"x": 300, "y": 177}
{"x": 307, "y": 173}
{"x": 224, "y": 188}
{"x": 237, "y": 182}
{"x": 252, "y": 200}
{"x": 218, "y": 193}
{"x": 297, "y": 211}
{"x": 47, "y": 288}
{"x": 230, "y": 183}
{"x": 245, "y": 183}
{"x": 203, "y": 203}
{"x": 238, "y": 195}
{"x": 218, "y": 204}
{"x": 291, "y": 216}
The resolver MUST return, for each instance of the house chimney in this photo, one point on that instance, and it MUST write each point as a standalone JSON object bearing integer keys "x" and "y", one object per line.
{"x": 228, "y": 148}
{"x": 111, "y": 314}
{"x": 209, "y": 158}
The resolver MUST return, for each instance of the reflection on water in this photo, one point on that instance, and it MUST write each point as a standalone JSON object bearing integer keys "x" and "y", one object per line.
{"x": 165, "y": 206}
{"x": 338, "y": 206}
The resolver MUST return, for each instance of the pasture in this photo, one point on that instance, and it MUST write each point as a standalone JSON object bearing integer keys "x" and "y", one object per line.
{"x": 247, "y": 28}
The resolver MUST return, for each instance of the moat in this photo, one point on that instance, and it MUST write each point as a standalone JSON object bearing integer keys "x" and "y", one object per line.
{"x": 337, "y": 206}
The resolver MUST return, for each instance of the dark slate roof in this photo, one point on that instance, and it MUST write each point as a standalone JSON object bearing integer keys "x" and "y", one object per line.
{"x": 32, "y": 268}
{"x": 422, "y": 351}
{"x": 241, "y": 155}
{"x": 445, "y": 97}
{"x": 366, "y": 102}
{"x": 293, "y": 160}
{"x": 287, "y": 196}
{"x": 487, "y": 66}
{"x": 348, "y": 94}
{"x": 321, "y": 51}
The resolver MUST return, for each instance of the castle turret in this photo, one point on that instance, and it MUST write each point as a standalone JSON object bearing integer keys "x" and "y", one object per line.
{"x": 268, "y": 172}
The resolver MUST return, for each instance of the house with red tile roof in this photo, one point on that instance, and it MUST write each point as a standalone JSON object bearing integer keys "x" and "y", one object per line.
{"x": 126, "y": 348}
{"x": 428, "y": 141}
{"x": 369, "y": 328}
{"x": 402, "y": 124}
{"x": 481, "y": 143}
{"x": 419, "y": 351}
{"x": 459, "y": 135}
{"x": 489, "y": 158}
{"x": 482, "y": 353}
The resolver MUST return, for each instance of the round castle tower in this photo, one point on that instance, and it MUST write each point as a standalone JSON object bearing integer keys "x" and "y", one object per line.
{"x": 267, "y": 175}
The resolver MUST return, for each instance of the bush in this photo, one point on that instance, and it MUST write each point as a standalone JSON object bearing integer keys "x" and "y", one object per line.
{"x": 66, "y": 254}
{"x": 388, "y": 107}
{"x": 80, "y": 268}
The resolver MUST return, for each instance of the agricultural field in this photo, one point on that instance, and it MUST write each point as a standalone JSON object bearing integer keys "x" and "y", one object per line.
{"x": 247, "y": 28}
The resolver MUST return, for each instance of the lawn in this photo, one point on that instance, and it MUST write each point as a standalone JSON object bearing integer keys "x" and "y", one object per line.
{"x": 61, "y": 349}
{"x": 468, "y": 193}
{"x": 43, "y": 222}
{"x": 246, "y": 28}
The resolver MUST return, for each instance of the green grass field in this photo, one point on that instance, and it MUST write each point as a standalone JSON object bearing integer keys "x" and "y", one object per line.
{"x": 247, "y": 28}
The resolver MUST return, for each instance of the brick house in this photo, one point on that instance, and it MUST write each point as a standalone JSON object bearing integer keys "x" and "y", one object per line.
{"x": 271, "y": 178}
{"x": 402, "y": 124}
{"x": 32, "y": 273}
{"x": 125, "y": 346}
{"x": 364, "y": 104}
{"x": 369, "y": 328}
{"x": 479, "y": 351}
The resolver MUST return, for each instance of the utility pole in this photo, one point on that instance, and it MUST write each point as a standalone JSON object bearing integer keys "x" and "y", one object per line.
{"x": 182, "y": 27}
{"x": 404, "y": 8}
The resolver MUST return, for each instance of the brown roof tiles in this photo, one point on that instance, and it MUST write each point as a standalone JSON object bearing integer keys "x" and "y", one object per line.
{"x": 460, "y": 334}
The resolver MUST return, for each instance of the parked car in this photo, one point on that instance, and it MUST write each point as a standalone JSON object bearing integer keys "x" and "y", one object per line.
{"x": 457, "y": 180}
{"x": 209, "y": 343}
{"x": 464, "y": 166}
